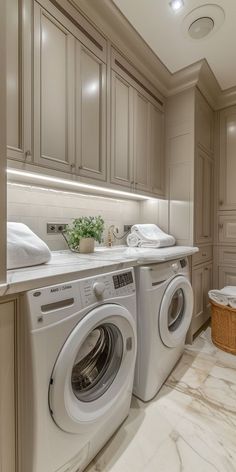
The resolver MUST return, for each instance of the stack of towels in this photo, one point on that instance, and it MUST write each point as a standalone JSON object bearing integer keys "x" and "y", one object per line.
{"x": 225, "y": 297}
{"x": 149, "y": 235}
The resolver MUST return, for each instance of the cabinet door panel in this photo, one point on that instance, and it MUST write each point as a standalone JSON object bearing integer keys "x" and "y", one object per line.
{"x": 204, "y": 207}
{"x": 227, "y": 228}
{"x": 156, "y": 150}
{"x": 54, "y": 92}
{"x": 227, "y": 276}
{"x": 204, "y": 123}
{"x": 141, "y": 142}
{"x": 227, "y": 200}
{"x": 18, "y": 83}
{"x": 122, "y": 131}
{"x": 90, "y": 114}
{"x": 7, "y": 392}
{"x": 198, "y": 289}
{"x": 208, "y": 281}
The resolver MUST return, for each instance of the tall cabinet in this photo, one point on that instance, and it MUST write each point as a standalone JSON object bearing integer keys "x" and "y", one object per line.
{"x": 190, "y": 175}
{"x": 226, "y": 198}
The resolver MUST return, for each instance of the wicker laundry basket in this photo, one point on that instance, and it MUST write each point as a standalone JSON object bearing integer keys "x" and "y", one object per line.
{"x": 223, "y": 325}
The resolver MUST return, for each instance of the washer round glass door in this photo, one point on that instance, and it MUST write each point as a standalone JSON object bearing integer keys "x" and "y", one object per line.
{"x": 176, "y": 311}
{"x": 93, "y": 368}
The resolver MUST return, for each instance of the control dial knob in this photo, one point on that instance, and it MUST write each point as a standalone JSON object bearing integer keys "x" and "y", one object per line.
{"x": 99, "y": 288}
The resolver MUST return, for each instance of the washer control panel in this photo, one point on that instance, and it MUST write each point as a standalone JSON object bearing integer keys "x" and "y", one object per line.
{"x": 107, "y": 286}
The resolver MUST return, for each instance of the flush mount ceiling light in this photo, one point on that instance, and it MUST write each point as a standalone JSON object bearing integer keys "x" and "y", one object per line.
{"x": 176, "y": 4}
{"x": 203, "y": 21}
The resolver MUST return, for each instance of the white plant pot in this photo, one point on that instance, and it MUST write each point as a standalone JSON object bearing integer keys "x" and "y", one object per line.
{"x": 86, "y": 245}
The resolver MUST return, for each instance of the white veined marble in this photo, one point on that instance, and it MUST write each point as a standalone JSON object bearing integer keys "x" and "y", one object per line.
{"x": 190, "y": 426}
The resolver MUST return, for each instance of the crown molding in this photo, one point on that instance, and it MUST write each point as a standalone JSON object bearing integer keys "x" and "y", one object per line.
{"x": 112, "y": 24}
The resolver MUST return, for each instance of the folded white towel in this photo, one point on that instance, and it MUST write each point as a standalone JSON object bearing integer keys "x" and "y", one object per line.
{"x": 229, "y": 290}
{"x": 232, "y": 303}
{"x": 218, "y": 297}
{"x": 24, "y": 248}
{"x": 149, "y": 235}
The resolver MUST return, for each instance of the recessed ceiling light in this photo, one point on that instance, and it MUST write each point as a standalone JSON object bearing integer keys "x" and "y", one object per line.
{"x": 201, "y": 27}
{"x": 202, "y": 22}
{"x": 176, "y": 4}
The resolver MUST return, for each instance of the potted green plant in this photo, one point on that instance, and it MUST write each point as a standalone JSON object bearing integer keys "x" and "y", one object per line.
{"x": 83, "y": 233}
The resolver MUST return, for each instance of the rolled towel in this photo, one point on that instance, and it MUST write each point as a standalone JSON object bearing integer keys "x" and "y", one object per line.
{"x": 132, "y": 240}
{"x": 24, "y": 248}
{"x": 218, "y": 297}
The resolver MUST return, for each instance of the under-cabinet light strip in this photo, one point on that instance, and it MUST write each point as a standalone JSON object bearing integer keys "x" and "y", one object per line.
{"x": 79, "y": 185}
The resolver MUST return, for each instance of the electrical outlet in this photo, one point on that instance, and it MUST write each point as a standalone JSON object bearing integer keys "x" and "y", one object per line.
{"x": 56, "y": 228}
{"x": 127, "y": 228}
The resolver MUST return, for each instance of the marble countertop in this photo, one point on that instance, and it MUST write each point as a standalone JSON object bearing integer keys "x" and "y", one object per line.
{"x": 66, "y": 265}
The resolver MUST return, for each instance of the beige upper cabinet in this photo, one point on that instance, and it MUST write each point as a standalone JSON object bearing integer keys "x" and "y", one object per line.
{"x": 18, "y": 31}
{"x": 141, "y": 141}
{"x": 54, "y": 52}
{"x": 204, "y": 204}
{"x": 90, "y": 114}
{"x": 137, "y": 136}
{"x": 122, "y": 142}
{"x": 204, "y": 124}
{"x": 227, "y": 171}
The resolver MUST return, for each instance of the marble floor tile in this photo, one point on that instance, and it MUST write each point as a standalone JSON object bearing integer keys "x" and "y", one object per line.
{"x": 190, "y": 426}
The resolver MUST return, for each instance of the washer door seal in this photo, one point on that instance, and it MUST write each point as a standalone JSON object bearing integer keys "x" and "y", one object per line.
{"x": 176, "y": 311}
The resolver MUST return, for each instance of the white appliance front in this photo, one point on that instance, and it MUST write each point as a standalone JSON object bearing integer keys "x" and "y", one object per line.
{"x": 77, "y": 368}
{"x": 164, "y": 312}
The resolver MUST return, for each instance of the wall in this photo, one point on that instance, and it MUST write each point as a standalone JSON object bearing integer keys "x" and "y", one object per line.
{"x": 38, "y": 206}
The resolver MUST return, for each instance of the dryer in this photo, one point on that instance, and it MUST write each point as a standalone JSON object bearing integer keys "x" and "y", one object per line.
{"x": 164, "y": 313}
{"x": 77, "y": 359}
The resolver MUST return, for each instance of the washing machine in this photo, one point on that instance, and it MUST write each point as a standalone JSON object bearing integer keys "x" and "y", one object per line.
{"x": 77, "y": 356}
{"x": 164, "y": 313}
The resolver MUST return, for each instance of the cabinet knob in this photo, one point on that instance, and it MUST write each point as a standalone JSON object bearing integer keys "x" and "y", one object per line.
{"x": 132, "y": 182}
{"x": 221, "y": 225}
{"x": 72, "y": 166}
{"x": 80, "y": 167}
{"x": 221, "y": 202}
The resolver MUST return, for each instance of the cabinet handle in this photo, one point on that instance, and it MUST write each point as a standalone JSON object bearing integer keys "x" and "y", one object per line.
{"x": 204, "y": 254}
{"x": 132, "y": 182}
{"x": 221, "y": 202}
{"x": 221, "y": 225}
{"x": 80, "y": 167}
{"x": 206, "y": 268}
{"x": 205, "y": 236}
{"x": 27, "y": 154}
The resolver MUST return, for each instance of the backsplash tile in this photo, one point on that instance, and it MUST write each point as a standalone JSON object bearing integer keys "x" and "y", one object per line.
{"x": 36, "y": 206}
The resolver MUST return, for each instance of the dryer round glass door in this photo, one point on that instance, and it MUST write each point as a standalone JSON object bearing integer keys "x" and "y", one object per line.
{"x": 176, "y": 311}
{"x": 93, "y": 368}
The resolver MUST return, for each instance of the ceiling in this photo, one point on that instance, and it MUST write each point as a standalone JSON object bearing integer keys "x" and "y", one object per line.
{"x": 164, "y": 32}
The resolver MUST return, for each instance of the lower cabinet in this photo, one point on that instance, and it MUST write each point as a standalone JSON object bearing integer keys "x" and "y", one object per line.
{"x": 202, "y": 276}
{"x": 7, "y": 386}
